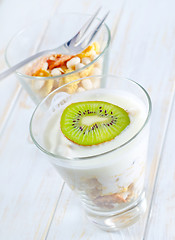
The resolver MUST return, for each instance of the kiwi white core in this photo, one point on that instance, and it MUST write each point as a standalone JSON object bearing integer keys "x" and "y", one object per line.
{"x": 90, "y": 120}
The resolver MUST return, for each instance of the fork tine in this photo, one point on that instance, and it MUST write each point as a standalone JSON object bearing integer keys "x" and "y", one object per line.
{"x": 86, "y": 26}
{"x": 88, "y": 40}
{"x": 78, "y": 36}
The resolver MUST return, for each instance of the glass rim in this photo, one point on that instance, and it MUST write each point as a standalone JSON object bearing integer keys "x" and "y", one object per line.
{"x": 66, "y": 74}
{"x": 77, "y": 159}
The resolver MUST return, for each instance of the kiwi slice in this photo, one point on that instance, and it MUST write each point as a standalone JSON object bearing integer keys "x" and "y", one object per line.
{"x": 93, "y": 122}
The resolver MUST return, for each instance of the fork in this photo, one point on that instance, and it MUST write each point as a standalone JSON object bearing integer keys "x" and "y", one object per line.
{"x": 73, "y": 46}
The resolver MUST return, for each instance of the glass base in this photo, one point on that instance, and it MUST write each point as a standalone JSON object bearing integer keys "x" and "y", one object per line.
{"x": 117, "y": 220}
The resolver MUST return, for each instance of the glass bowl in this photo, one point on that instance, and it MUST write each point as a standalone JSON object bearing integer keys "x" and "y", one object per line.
{"x": 51, "y": 33}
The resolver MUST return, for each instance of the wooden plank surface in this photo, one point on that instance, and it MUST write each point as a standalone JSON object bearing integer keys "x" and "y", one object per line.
{"x": 163, "y": 209}
{"x": 14, "y": 15}
{"x": 30, "y": 186}
{"x": 27, "y": 200}
{"x": 34, "y": 201}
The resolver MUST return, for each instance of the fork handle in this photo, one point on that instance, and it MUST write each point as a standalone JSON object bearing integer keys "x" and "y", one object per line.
{"x": 21, "y": 64}
{"x": 63, "y": 49}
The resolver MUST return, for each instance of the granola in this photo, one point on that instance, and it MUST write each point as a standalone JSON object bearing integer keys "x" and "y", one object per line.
{"x": 59, "y": 65}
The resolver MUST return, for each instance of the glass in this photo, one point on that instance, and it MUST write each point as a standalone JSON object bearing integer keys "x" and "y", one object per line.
{"x": 48, "y": 34}
{"x": 110, "y": 179}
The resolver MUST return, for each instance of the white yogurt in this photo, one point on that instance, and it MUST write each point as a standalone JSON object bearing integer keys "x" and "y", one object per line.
{"x": 55, "y": 141}
{"x": 101, "y": 176}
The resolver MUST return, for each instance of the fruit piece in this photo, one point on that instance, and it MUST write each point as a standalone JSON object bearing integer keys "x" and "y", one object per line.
{"x": 93, "y": 122}
{"x": 72, "y": 87}
{"x": 79, "y": 66}
{"x": 41, "y": 73}
{"x": 86, "y": 72}
{"x": 55, "y": 72}
{"x": 61, "y": 60}
{"x": 86, "y": 60}
{"x": 94, "y": 47}
{"x": 87, "y": 83}
{"x": 70, "y": 77}
{"x": 72, "y": 62}
{"x": 36, "y": 66}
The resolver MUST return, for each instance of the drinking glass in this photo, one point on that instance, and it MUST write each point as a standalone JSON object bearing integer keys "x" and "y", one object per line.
{"x": 109, "y": 180}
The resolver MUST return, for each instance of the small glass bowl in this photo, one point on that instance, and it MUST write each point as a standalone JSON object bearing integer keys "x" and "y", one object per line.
{"x": 49, "y": 34}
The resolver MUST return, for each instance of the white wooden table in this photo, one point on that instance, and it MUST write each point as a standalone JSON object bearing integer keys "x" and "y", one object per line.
{"x": 34, "y": 201}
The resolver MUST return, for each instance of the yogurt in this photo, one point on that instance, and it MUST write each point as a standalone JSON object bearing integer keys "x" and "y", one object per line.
{"x": 57, "y": 143}
{"x": 108, "y": 175}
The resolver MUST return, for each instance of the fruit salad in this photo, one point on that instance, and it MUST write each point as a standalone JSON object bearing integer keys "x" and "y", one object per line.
{"x": 59, "y": 65}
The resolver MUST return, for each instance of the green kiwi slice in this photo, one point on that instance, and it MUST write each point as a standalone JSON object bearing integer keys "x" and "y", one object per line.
{"x": 93, "y": 122}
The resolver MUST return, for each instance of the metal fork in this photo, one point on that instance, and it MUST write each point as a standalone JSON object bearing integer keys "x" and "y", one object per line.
{"x": 73, "y": 46}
